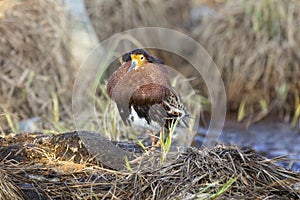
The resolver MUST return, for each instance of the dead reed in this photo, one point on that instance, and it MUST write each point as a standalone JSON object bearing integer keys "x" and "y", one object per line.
{"x": 34, "y": 60}
{"x": 255, "y": 44}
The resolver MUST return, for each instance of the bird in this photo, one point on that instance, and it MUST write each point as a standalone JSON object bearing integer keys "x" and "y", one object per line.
{"x": 142, "y": 90}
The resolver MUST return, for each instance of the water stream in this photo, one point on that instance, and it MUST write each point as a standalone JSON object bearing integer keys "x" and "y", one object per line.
{"x": 271, "y": 138}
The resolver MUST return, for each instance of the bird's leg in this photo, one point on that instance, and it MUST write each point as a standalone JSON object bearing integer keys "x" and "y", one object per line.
{"x": 158, "y": 143}
{"x": 154, "y": 145}
{"x": 153, "y": 139}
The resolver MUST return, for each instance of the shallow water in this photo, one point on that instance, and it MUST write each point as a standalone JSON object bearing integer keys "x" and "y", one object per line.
{"x": 270, "y": 138}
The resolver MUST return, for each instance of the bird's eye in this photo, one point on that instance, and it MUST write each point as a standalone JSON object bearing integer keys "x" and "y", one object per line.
{"x": 142, "y": 57}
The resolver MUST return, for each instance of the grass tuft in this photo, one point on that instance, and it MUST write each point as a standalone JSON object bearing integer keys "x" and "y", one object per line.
{"x": 166, "y": 144}
{"x": 11, "y": 125}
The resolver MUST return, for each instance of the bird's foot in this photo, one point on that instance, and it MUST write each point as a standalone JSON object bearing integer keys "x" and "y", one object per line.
{"x": 138, "y": 159}
{"x": 154, "y": 145}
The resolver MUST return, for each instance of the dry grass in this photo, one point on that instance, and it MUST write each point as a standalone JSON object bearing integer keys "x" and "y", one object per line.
{"x": 8, "y": 189}
{"x": 116, "y": 16}
{"x": 35, "y": 81}
{"x": 109, "y": 18}
{"x": 38, "y": 165}
{"x": 34, "y": 60}
{"x": 255, "y": 44}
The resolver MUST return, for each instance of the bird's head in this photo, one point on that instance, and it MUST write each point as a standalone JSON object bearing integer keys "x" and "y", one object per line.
{"x": 138, "y": 57}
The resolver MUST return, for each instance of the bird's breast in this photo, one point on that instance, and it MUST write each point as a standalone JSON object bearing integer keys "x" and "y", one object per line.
{"x": 149, "y": 84}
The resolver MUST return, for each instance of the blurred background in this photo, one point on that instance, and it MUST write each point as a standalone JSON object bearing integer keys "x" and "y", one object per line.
{"x": 255, "y": 44}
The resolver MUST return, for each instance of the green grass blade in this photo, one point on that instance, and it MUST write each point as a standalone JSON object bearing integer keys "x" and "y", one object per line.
{"x": 225, "y": 187}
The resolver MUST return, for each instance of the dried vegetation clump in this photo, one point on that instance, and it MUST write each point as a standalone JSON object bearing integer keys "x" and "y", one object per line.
{"x": 39, "y": 167}
{"x": 34, "y": 60}
{"x": 256, "y": 46}
{"x": 8, "y": 189}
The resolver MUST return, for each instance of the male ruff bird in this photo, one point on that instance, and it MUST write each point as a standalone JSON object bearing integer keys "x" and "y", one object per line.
{"x": 144, "y": 96}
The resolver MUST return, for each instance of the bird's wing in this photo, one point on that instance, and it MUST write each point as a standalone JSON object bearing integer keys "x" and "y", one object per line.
{"x": 147, "y": 100}
{"x": 175, "y": 110}
{"x": 162, "y": 105}
{"x": 116, "y": 77}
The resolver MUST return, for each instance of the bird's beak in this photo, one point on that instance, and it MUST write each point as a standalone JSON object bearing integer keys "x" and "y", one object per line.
{"x": 121, "y": 61}
{"x": 132, "y": 66}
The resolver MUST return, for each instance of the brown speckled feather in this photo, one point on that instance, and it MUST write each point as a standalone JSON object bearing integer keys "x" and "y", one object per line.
{"x": 115, "y": 77}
